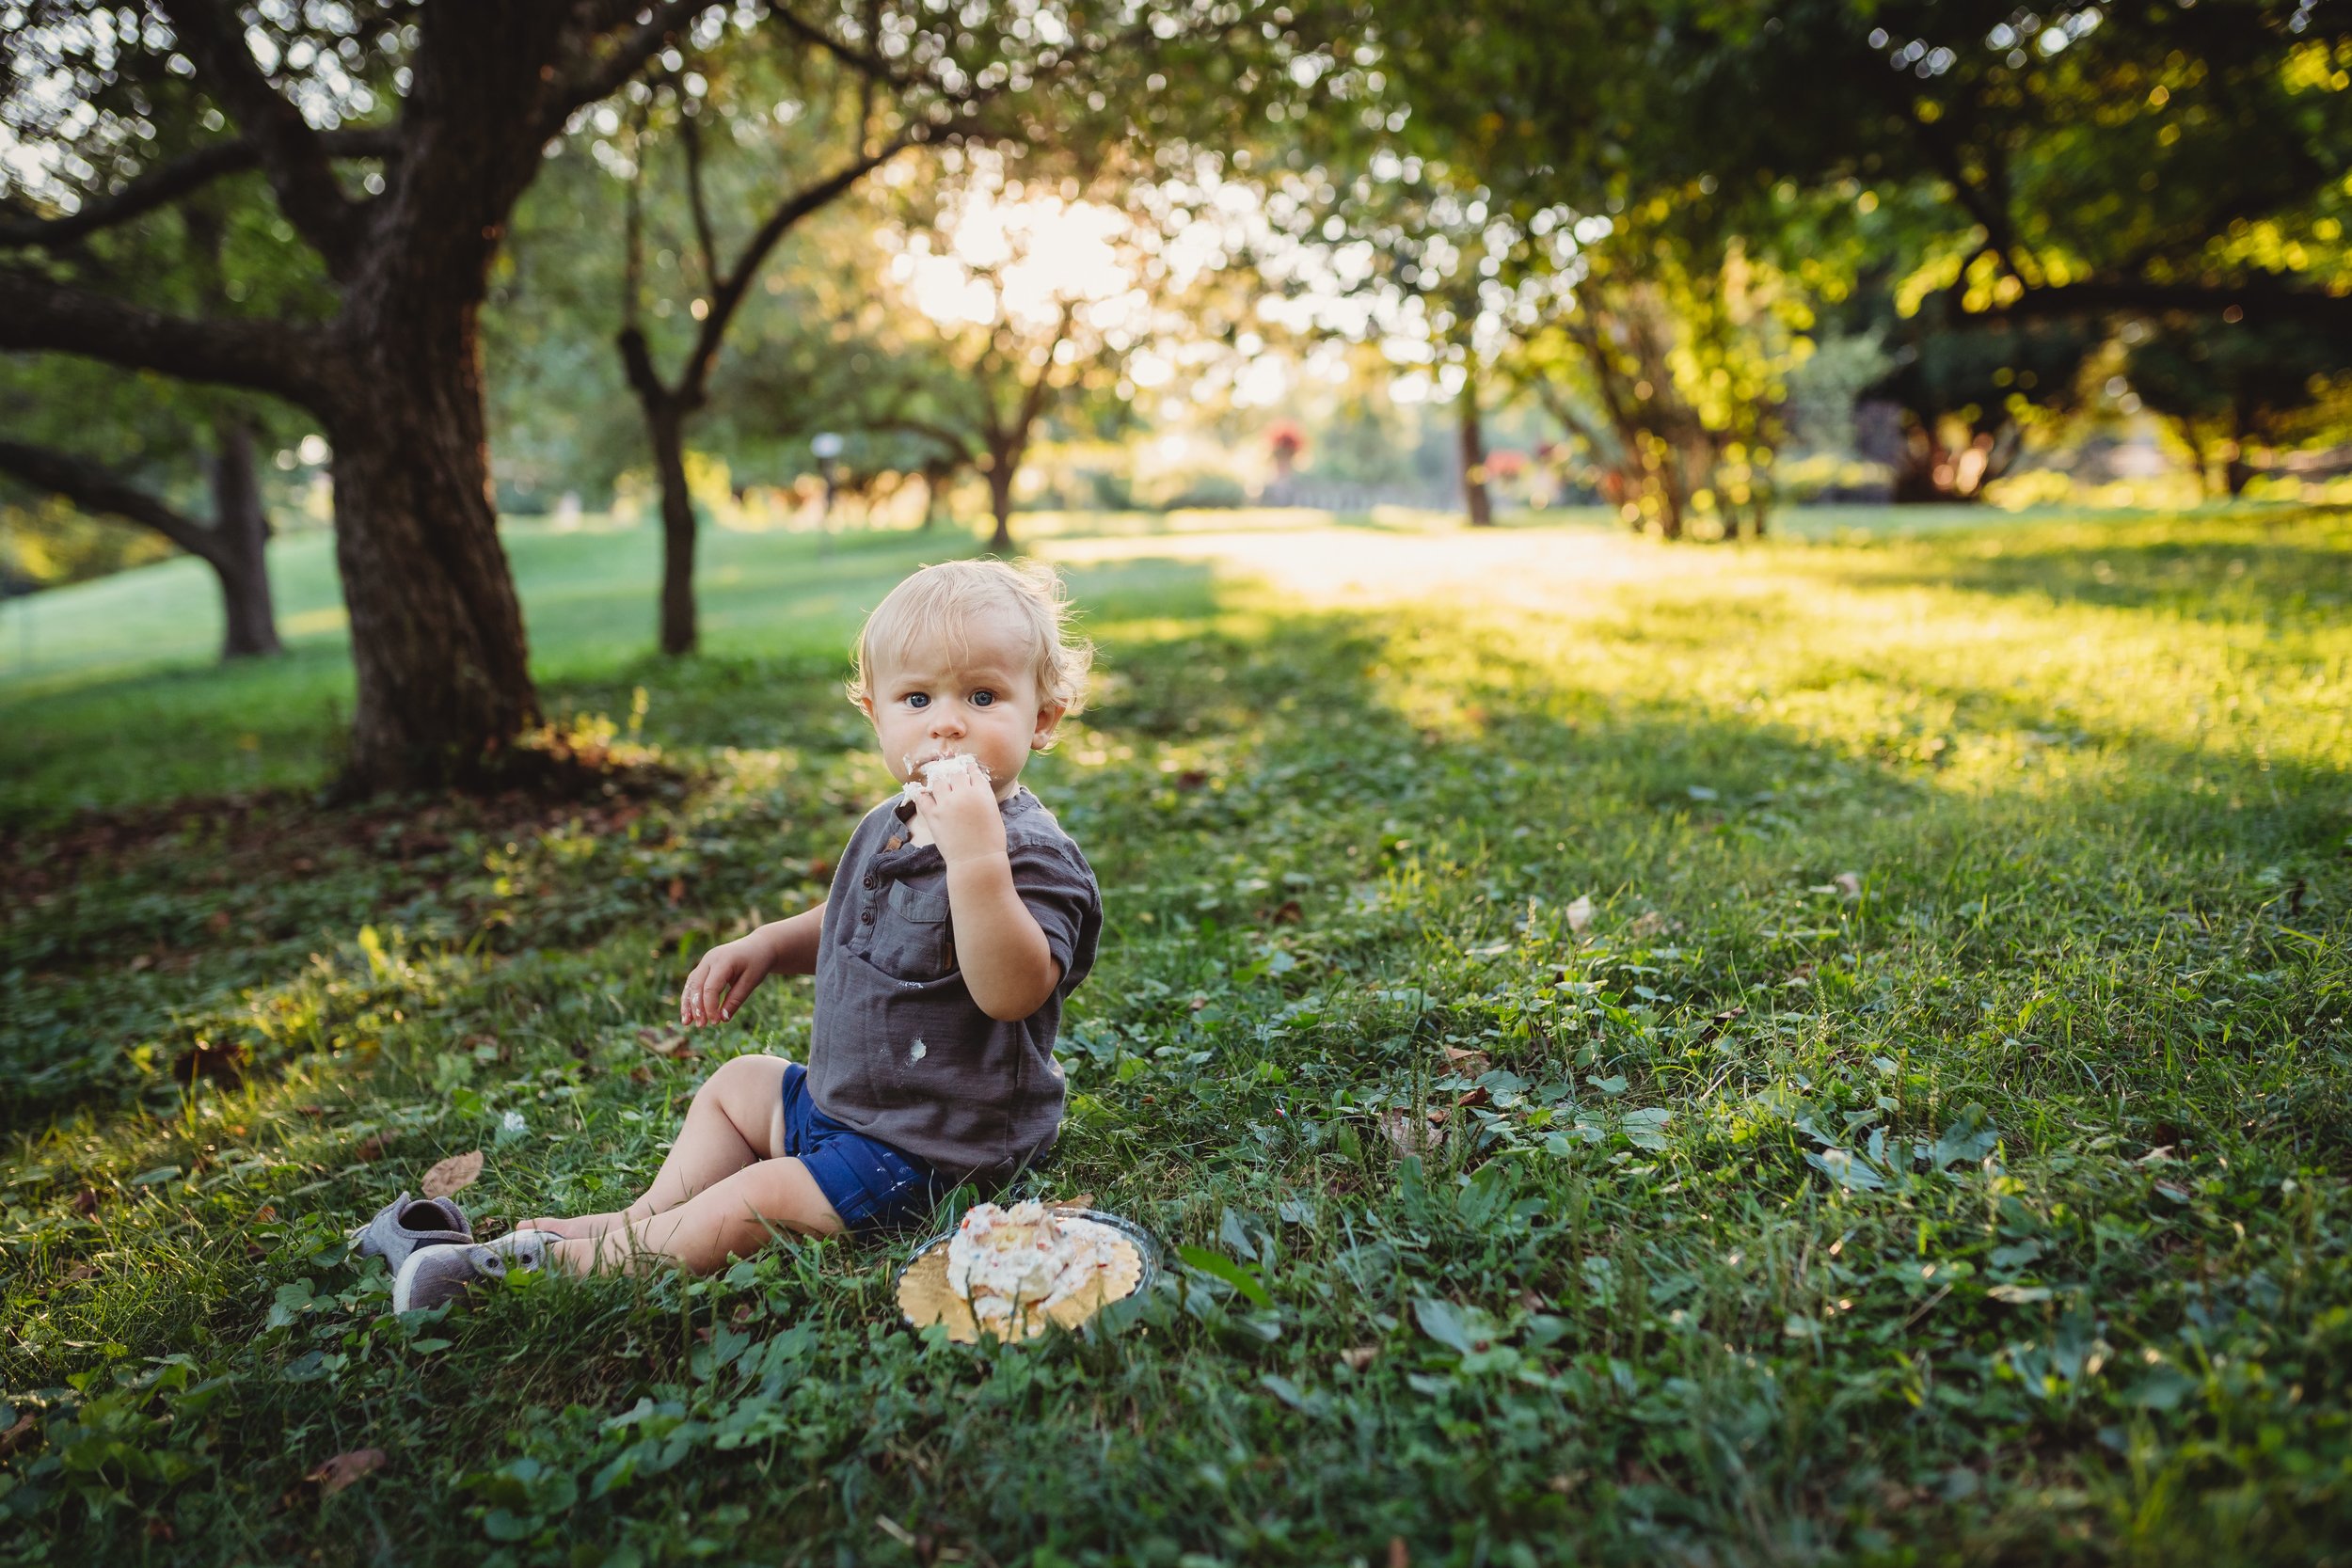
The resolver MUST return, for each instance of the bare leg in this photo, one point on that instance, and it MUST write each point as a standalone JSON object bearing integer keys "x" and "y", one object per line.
{"x": 735, "y": 1121}
{"x": 733, "y": 1218}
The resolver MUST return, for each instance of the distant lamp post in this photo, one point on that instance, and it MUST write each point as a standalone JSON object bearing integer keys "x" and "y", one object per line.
{"x": 826, "y": 446}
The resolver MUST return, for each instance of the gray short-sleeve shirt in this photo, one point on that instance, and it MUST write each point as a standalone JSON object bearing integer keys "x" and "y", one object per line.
{"x": 899, "y": 1049}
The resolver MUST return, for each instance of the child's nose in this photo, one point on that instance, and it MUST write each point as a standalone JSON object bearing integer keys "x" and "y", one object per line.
{"x": 946, "y": 720}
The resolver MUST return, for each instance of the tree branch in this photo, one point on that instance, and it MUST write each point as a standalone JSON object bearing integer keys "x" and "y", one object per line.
{"x": 278, "y": 358}
{"x": 1034, "y": 395}
{"x": 591, "y": 78}
{"x": 634, "y": 228}
{"x": 2256, "y": 302}
{"x": 729, "y": 292}
{"x": 183, "y": 176}
{"x": 864, "y": 62}
{"x": 958, "y": 448}
{"x": 291, "y": 153}
{"x": 638, "y": 367}
{"x": 691, "y": 134}
{"x": 94, "y": 490}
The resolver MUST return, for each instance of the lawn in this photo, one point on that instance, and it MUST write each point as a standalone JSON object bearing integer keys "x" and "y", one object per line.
{"x": 1828, "y": 1051}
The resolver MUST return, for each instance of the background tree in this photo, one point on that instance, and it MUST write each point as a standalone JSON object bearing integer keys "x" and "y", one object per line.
{"x": 839, "y": 112}
{"x": 1664, "y": 354}
{"x": 1010, "y": 298}
{"x": 2232, "y": 388}
{"x": 1417, "y": 242}
{"x": 164, "y": 444}
{"x": 456, "y": 104}
{"x": 2085, "y": 162}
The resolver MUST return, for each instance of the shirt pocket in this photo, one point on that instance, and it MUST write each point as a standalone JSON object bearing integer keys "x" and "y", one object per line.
{"x": 913, "y": 940}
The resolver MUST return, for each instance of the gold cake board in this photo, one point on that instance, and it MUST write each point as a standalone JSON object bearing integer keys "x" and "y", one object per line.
{"x": 926, "y": 1299}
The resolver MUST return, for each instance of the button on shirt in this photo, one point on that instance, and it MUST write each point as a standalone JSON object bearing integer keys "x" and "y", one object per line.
{"x": 899, "y": 1049}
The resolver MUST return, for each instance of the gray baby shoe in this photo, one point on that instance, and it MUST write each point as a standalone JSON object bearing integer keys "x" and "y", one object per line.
{"x": 406, "y": 1224}
{"x": 434, "y": 1275}
{"x": 524, "y": 1249}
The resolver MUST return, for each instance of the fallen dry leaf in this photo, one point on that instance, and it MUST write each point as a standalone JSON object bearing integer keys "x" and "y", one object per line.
{"x": 85, "y": 1202}
{"x": 1079, "y": 1200}
{"x": 344, "y": 1468}
{"x": 1849, "y": 884}
{"x": 1580, "y": 914}
{"x": 1465, "y": 1059}
{"x": 18, "y": 1435}
{"x": 672, "y": 1045}
{"x": 1398, "y": 1556}
{"x": 1359, "y": 1356}
{"x": 1475, "y": 1097}
{"x": 1648, "y": 924}
{"x": 1410, "y": 1133}
{"x": 453, "y": 1175}
{"x": 370, "y": 1148}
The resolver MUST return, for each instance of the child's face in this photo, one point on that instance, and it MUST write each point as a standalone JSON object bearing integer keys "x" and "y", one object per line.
{"x": 930, "y": 703}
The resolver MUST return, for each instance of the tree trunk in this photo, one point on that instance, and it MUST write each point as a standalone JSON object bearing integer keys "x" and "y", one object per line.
{"x": 1927, "y": 470}
{"x": 241, "y": 529}
{"x": 666, "y": 426}
{"x": 2236, "y": 471}
{"x": 437, "y": 632}
{"x": 935, "y": 478}
{"x": 1000, "y": 474}
{"x": 1662, "y": 472}
{"x": 1474, "y": 497}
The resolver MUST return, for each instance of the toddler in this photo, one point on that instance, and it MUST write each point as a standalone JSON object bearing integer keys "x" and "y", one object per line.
{"x": 959, "y": 918}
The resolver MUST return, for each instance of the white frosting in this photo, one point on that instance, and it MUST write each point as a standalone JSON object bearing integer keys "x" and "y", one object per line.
{"x": 940, "y": 770}
{"x": 1024, "y": 1259}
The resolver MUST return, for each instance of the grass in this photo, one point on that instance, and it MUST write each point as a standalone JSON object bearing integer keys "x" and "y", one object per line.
{"x": 1877, "y": 1006}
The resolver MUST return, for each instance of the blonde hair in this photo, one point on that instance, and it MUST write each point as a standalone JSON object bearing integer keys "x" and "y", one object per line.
{"x": 948, "y": 598}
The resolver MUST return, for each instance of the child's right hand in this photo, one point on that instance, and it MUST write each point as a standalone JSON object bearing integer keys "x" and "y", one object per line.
{"x": 727, "y": 975}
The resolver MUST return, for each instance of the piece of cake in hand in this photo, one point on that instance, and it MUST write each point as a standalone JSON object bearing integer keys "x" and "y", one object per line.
{"x": 937, "y": 772}
{"x": 1015, "y": 1266}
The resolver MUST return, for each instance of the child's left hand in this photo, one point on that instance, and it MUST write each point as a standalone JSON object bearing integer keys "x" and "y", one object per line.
{"x": 962, "y": 816}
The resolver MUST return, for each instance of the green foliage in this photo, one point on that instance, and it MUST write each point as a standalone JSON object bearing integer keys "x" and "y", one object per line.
{"x": 1878, "y": 1102}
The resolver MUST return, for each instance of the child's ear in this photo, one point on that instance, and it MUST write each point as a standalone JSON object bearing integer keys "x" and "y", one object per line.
{"x": 1048, "y": 719}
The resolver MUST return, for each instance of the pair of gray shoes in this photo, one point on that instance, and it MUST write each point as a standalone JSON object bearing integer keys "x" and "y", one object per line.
{"x": 428, "y": 1243}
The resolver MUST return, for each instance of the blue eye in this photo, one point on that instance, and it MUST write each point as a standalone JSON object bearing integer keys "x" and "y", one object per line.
{"x": 919, "y": 699}
{"x": 983, "y": 699}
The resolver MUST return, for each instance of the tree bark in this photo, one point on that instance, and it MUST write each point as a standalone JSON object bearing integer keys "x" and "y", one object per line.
{"x": 437, "y": 632}
{"x": 1001, "y": 469}
{"x": 2237, "y": 473}
{"x": 1473, "y": 435}
{"x": 935, "y": 478}
{"x": 241, "y": 532}
{"x": 666, "y": 426}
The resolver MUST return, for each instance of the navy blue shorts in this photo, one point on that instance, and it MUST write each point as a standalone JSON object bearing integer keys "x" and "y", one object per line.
{"x": 871, "y": 1185}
